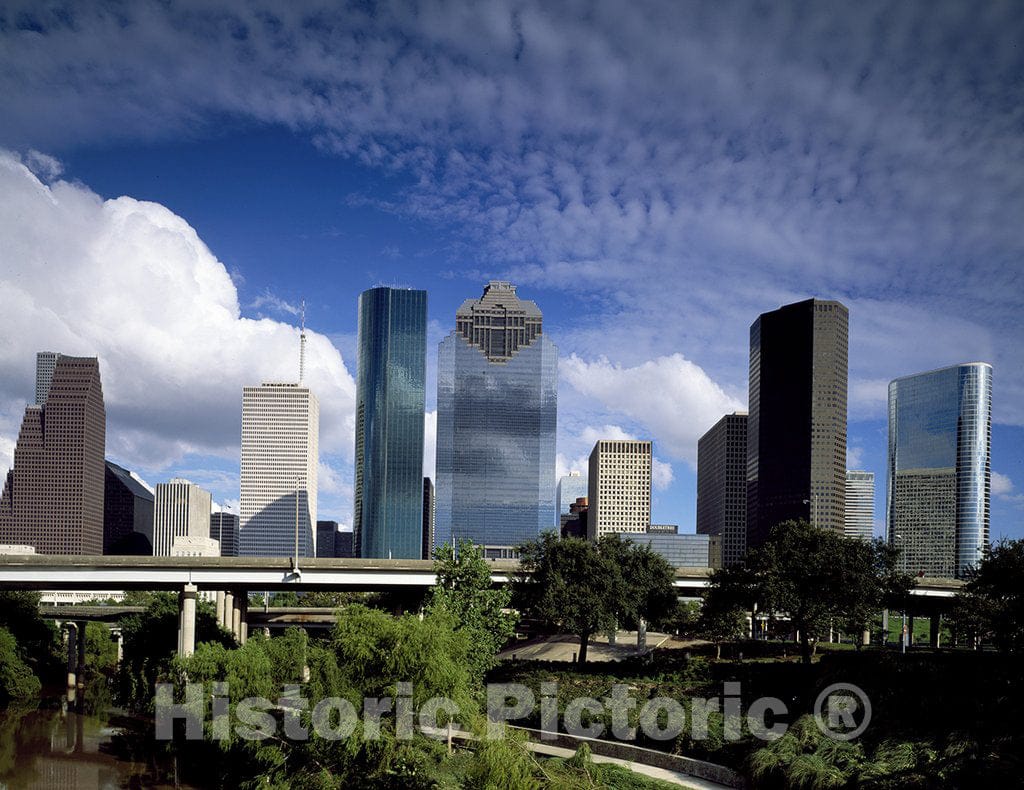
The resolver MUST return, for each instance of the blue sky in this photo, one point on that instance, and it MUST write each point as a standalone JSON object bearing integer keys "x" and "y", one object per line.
{"x": 177, "y": 177}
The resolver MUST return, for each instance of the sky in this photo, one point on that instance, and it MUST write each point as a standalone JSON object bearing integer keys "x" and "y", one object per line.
{"x": 176, "y": 178}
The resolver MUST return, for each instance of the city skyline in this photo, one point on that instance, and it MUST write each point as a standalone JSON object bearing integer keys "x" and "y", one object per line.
{"x": 653, "y": 187}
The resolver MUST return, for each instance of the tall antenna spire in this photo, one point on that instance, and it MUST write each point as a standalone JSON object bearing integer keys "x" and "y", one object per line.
{"x": 302, "y": 343}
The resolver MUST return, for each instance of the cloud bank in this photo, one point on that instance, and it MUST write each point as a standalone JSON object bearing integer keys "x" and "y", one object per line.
{"x": 131, "y": 283}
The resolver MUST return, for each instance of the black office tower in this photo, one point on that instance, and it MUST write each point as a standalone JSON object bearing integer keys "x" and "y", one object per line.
{"x": 796, "y": 429}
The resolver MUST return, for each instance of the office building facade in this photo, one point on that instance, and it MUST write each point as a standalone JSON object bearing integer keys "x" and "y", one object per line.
{"x": 860, "y": 504}
{"x": 390, "y": 392}
{"x": 570, "y": 488}
{"x": 326, "y": 538}
{"x": 181, "y": 509}
{"x": 681, "y": 551}
{"x": 53, "y": 496}
{"x": 497, "y": 404}
{"x": 429, "y": 518}
{"x": 224, "y": 530}
{"x": 280, "y": 456}
{"x": 796, "y": 423}
{"x": 939, "y": 478}
{"x": 619, "y": 497}
{"x": 722, "y": 485}
{"x": 46, "y": 364}
{"x": 127, "y": 513}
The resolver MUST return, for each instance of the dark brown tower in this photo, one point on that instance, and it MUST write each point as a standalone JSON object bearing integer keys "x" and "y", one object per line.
{"x": 796, "y": 429}
{"x": 53, "y": 497}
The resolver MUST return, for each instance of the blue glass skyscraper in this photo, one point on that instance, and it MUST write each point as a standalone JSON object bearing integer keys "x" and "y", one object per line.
{"x": 497, "y": 401}
{"x": 390, "y": 385}
{"x": 939, "y": 476}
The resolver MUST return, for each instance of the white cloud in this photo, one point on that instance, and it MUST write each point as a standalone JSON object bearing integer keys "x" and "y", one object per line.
{"x": 1002, "y": 485}
{"x": 854, "y": 457}
{"x": 672, "y": 398}
{"x": 274, "y": 303}
{"x": 132, "y": 283}
{"x": 661, "y": 474}
{"x": 430, "y": 445}
{"x": 43, "y": 165}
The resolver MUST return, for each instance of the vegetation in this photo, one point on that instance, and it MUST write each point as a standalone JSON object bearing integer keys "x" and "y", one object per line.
{"x": 151, "y": 640}
{"x": 991, "y": 606}
{"x": 464, "y": 591}
{"x": 816, "y": 577}
{"x": 587, "y": 588}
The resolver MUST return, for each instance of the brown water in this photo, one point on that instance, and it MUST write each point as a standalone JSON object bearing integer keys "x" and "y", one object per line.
{"x": 65, "y": 748}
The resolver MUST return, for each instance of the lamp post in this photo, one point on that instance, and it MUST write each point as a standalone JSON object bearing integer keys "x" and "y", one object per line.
{"x": 903, "y": 635}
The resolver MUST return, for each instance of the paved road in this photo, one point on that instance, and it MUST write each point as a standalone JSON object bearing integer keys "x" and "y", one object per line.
{"x": 564, "y": 646}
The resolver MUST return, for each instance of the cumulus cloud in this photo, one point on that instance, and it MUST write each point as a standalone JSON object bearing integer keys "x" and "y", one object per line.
{"x": 132, "y": 283}
{"x": 854, "y": 457}
{"x": 1002, "y": 485}
{"x": 672, "y": 398}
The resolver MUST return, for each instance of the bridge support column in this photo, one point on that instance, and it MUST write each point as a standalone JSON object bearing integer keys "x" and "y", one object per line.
{"x": 72, "y": 641}
{"x": 885, "y": 627}
{"x": 118, "y": 636}
{"x": 220, "y": 606}
{"x": 236, "y": 616}
{"x": 641, "y": 634}
{"x": 80, "y": 672}
{"x": 243, "y": 623}
{"x": 229, "y": 606}
{"x": 910, "y": 630}
{"x": 187, "y": 621}
{"x": 935, "y": 630}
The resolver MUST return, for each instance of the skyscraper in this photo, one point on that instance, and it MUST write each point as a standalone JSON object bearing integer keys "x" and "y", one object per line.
{"x": 429, "y": 517}
{"x": 224, "y": 530}
{"x": 860, "y": 504}
{"x": 181, "y": 510}
{"x": 53, "y": 497}
{"x": 496, "y": 412}
{"x": 619, "y": 497}
{"x": 939, "y": 477}
{"x": 570, "y": 488}
{"x": 722, "y": 485}
{"x": 390, "y": 386}
{"x": 46, "y": 363}
{"x": 326, "y": 538}
{"x": 280, "y": 454}
{"x": 127, "y": 513}
{"x": 796, "y": 427}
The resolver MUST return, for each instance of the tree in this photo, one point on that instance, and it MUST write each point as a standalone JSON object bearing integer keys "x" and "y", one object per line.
{"x": 817, "y": 577}
{"x": 647, "y": 579}
{"x": 464, "y": 590}
{"x": 991, "y": 605}
{"x": 586, "y": 588}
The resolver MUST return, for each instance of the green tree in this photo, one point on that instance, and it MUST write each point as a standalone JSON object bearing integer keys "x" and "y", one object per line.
{"x": 587, "y": 588}
{"x": 566, "y": 583}
{"x": 38, "y": 642}
{"x": 150, "y": 641}
{"x": 647, "y": 580}
{"x": 816, "y": 577}
{"x": 991, "y": 605}
{"x": 17, "y": 683}
{"x": 464, "y": 590}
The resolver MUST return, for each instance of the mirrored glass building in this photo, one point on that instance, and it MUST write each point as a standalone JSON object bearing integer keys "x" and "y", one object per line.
{"x": 496, "y": 415}
{"x": 390, "y": 386}
{"x": 939, "y": 474}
